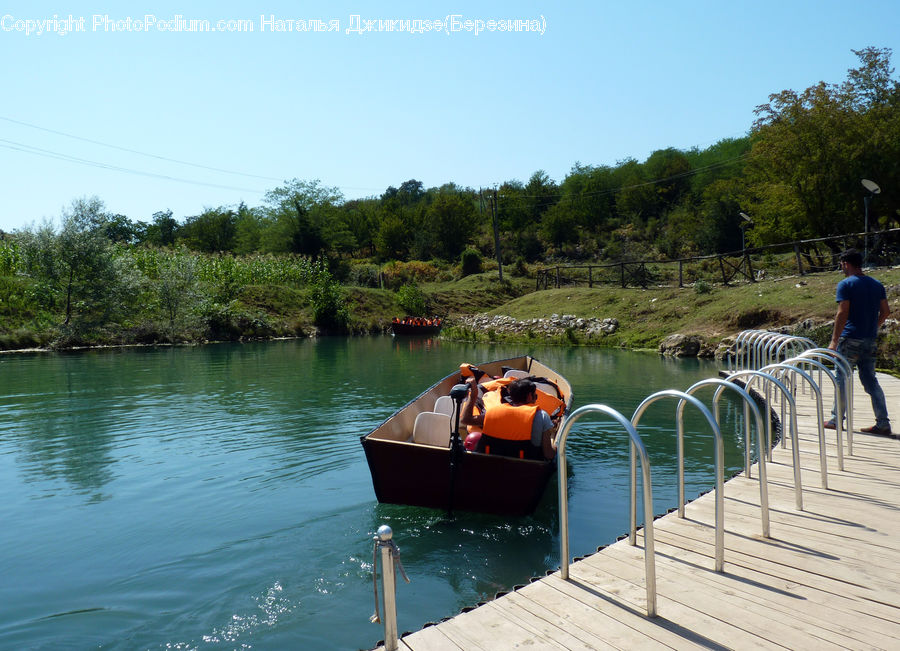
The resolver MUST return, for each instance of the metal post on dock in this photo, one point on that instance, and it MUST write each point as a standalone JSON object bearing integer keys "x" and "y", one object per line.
{"x": 390, "y": 554}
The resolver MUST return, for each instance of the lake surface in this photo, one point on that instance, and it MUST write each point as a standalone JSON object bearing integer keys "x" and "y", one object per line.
{"x": 218, "y": 497}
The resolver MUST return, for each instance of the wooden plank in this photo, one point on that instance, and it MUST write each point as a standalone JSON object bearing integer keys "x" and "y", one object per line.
{"x": 431, "y": 638}
{"x": 702, "y": 604}
{"x": 833, "y": 612}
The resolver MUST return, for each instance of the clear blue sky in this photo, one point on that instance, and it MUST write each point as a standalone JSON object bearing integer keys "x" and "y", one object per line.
{"x": 605, "y": 81}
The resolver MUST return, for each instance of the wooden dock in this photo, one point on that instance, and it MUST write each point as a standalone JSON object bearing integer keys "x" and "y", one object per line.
{"x": 827, "y": 578}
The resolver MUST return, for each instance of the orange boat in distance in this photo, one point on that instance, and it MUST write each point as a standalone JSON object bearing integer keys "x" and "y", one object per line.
{"x": 416, "y": 325}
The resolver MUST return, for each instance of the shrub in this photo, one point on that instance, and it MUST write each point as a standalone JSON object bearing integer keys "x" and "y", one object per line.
{"x": 412, "y": 300}
{"x": 10, "y": 258}
{"x": 397, "y": 274}
{"x": 471, "y": 262}
{"x": 364, "y": 275}
{"x": 702, "y": 287}
{"x": 327, "y": 302}
{"x": 519, "y": 268}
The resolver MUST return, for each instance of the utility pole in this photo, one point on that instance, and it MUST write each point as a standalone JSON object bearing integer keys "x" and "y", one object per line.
{"x": 494, "y": 199}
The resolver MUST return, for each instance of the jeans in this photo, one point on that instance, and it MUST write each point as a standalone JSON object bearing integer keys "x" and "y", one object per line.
{"x": 861, "y": 353}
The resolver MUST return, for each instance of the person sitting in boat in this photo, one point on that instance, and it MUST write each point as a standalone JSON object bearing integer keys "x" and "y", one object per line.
{"x": 512, "y": 426}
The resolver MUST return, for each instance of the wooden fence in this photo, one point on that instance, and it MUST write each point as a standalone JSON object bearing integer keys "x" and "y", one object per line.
{"x": 775, "y": 260}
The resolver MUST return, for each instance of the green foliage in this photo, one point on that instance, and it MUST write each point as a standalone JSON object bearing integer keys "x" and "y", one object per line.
{"x": 214, "y": 230}
{"x": 300, "y": 218}
{"x": 811, "y": 148}
{"x": 178, "y": 290}
{"x": 326, "y": 299}
{"x": 397, "y": 274}
{"x": 10, "y": 257}
{"x": 559, "y": 226}
{"x": 162, "y": 231}
{"x": 471, "y": 262}
{"x": 449, "y": 222}
{"x": 412, "y": 300}
{"x": 393, "y": 238}
{"x": 364, "y": 275}
{"x": 75, "y": 269}
{"x": 520, "y": 268}
{"x": 702, "y": 287}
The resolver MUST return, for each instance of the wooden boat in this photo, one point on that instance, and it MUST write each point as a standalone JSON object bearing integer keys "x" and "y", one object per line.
{"x": 419, "y": 472}
{"x": 415, "y": 326}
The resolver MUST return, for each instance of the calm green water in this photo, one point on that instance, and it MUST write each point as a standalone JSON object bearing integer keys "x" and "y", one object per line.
{"x": 219, "y": 498}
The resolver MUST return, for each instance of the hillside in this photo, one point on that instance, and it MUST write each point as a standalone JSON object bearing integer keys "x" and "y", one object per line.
{"x": 646, "y": 316}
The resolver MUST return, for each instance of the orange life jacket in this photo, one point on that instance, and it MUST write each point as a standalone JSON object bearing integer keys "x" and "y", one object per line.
{"x": 504, "y": 421}
{"x": 507, "y": 431}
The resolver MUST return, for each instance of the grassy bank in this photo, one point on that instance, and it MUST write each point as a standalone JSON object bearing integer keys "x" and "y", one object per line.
{"x": 645, "y": 316}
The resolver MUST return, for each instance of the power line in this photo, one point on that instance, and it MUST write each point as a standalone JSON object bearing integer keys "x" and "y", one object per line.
{"x": 148, "y": 155}
{"x": 140, "y": 153}
{"x": 37, "y": 151}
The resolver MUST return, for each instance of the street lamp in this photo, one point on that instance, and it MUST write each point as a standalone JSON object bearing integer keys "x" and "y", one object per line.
{"x": 873, "y": 189}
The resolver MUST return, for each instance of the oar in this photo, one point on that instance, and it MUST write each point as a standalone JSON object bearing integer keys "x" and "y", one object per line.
{"x": 457, "y": 393}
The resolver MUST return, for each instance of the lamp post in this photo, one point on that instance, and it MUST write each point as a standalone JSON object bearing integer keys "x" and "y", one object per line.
{"x": 873, "y": 189}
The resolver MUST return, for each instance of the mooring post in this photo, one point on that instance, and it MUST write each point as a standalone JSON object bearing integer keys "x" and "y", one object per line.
{"x": 390, "y": 554}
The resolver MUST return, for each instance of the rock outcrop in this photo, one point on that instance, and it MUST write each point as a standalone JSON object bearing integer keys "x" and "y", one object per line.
{"x": 679, "y": 345}
{"x": 553, "y": 326}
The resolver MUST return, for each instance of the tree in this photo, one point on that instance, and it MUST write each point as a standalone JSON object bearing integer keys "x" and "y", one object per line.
{"x": 247, "y": 230}
{"x": 635, "y": 199}
{"x": 393, "y": 238}
{"x": 810, "y": 150}
{"x": 161, "y": 232}
{"x": 297, "y": 213}
{"x": 177, "y": 289}
{"x": 560, "y": 225}
{"x": 540, "y": 193}
{"x": 119, "y": 228}
{"x": 361, "y": 217}
{"x": 75, "y": 267}
{"x": 588, "y": 193}
{"x": 450, "y": 221}
{"x": 211, "y": 231}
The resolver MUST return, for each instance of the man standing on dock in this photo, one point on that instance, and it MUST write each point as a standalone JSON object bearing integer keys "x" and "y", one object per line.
{"x": 862, "y": 308}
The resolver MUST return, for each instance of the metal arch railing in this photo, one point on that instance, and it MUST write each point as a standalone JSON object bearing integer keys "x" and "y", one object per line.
{"x": 847, "y": 372}
{"x": 637, "y": 448}
{"x": 788, "y": 399}
{"x": 757, "y": 348}
{"x": 785, "y": 368}
{"x": 789, "y": 344}
{"x": 749, "y": 404}
{"x": 719, "y": 467}
{"x": 744, "y": 348}
{"x": 808, "y": 361}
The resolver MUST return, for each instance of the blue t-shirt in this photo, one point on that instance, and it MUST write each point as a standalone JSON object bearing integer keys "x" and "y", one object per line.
{"x": 865, "y": 295}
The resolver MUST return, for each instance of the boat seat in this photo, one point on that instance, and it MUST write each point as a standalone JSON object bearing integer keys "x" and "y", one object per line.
{"x": 445, "y": 405}
{"x": 432, "y": 428}
{"x": 546, "y": 388}
{"x": 543, "y": 386}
